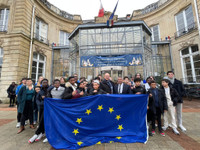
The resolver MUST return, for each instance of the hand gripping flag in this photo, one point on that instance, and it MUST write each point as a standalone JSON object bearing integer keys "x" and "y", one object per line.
{"x": 75, "y": 123}
{"x": 110, "y": 22}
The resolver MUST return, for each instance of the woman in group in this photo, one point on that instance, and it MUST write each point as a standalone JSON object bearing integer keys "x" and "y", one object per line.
{"x": 62, "y": 82}
{"x": 39, "y": 81}
{"x": 25, "y": 100}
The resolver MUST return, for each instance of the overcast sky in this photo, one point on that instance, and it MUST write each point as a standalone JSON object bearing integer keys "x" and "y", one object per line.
{"x": 88, "y": 9}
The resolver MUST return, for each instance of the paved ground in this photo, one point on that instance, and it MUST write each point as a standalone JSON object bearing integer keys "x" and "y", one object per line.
{"x": 10, "y": 140}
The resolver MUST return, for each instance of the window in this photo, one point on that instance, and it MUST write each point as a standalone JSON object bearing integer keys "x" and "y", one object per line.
{"x": 41, "y": 31}
{"x": 155, "y": 33}
{"x": 38, "y": 66}
{"x": 184, "y": 21}
{"x": 4, "y": 13}
{"x": 190, "y": 60}
{"x": 64, "y": 38}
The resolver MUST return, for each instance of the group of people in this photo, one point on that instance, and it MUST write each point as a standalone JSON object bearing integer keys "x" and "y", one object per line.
{"x": 165, "y": 99}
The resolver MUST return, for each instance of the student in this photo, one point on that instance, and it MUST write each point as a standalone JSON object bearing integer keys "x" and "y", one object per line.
{"x": 157, "y": 105}
{"x": 80, "y": 92}
{"x": 138, "y": 89}
{"x": 40, "y": 101}
{"x": 70, "y": 89}
{"x": 36, "y": 108}
{"x": 23, "y": 83}
{"x": 96, "y": 89}
{"x": 178, "y": 85}
{"x": 172, "y": 99}
{"x": 25, "y": 97}
{"x": 56, "y": 91}
{"x": 62, "y": 82}
{"x": 39, "y": 81}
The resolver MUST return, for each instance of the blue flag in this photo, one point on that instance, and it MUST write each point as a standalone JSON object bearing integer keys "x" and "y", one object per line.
{"x": 75, "y": 123}
{"x": 110, "y": 21}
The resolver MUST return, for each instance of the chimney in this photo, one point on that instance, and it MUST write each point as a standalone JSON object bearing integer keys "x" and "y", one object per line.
{"x": 128, "y": 16}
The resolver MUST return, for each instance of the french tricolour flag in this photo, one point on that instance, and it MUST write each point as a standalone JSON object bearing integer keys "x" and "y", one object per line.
{"x": 101, "y": 10}
{"x": 110, "y": 22}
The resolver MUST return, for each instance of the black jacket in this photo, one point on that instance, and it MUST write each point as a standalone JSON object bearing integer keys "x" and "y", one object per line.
{"x": 99, "y": 91}
{"x": 39, "y": 99}
{"x": 174, "y": 95}
{"x": 106, "y": 87}
{"x": 11, "y": 90}
{"x": 126, "y": 89}
{"x": 140, "y": 89}
{"x": 162, "y": 101}
{"x": 67, "y": 93}
{"x": 178, "y": 85}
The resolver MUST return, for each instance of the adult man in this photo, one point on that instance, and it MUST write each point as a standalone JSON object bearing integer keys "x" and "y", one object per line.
{"x": 122, "y": 88}
{"x": 177, "y": 84}
{"x": 108, "y": 84}
{"x": 11, "y": 93}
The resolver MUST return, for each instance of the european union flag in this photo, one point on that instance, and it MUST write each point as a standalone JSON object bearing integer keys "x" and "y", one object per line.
{"x": 75, "y": 123}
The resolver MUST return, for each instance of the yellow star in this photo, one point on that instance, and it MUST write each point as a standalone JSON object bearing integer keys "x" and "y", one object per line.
{"x": 79, "y": 120}
{"x": 120, "y": 127}
{"x": 118, "y": 137}
{"x": 75, "y": 131}
{"x": 88, "y": 111}
{"x": 99, "y": 142}
{"x": 100, "y": 107}
{"x": 110, "y": 110}
{"x": 79, "y": 143}
{"x": 111, "y": 141}
{"x": 118, "y": 117}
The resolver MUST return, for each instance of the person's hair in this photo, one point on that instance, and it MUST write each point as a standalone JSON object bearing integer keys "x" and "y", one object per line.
{"x": 28, "y": 79}
{"x": 23, "y": 79}
{"x": 148, "y": 78}
{"x": 137, "y": 80}
{"x": 166, "y": 80}
{"x": 71, "y": 77}
{"x": 97, "y": 78}
{"x": 137, "y": 74}
{"x": 99, "y": 75}
{"x": 54, "y": 81}
{"x": 44, "y": 80}
{"x": 170, "y": 72}
{"x": 38, "y": 87}
{"x": 126, "y": 77}
{"x": 152, "y": 82}
{"x": 82, "y": 78}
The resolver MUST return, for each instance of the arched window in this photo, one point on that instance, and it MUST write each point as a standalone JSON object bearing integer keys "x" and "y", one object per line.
{"x": 190, "y": 61}
{"x": 38, "y": 66}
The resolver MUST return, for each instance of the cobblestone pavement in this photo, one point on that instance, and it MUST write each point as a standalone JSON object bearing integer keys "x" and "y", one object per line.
{"x": 10, "y": 140}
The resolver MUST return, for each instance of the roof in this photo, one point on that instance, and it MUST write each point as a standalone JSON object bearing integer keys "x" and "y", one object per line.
{"x": 116, "y": 24}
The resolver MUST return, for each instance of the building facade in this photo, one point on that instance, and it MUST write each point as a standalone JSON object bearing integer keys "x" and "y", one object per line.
{"x": 34, "y": 41}
{"x": 177, "y": 20}
{"x": 27, "y": 30}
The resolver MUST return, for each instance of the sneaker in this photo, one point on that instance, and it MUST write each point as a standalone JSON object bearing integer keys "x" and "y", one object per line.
{"x": 164, "y": 128}
{"x": 162, "y": 133}
{"x": 39, "y": 137}
{"x": 26, "y": 122}
{"x": 34, "y": 122}
{"x": 18, "y": 125}
{"x": 153, "y": 132}
{"x": 45, "y": 140}
{"x": 31, "y": 140}
{"x": 183, "y": 129}
{"x": 175, "y": 131}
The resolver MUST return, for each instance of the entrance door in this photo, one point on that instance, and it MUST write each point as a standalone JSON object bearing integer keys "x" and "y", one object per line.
{"x": 113, "y": 73}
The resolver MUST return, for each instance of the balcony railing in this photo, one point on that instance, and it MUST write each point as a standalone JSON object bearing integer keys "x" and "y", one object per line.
{"x": 41, "y": 39}
{"x": 3, "y": 28}
{"x": 186, "y": 30}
